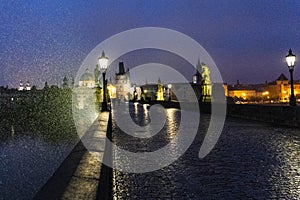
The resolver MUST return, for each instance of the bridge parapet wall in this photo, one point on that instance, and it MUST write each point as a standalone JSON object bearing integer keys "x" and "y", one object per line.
{"x": 276, "y": 114}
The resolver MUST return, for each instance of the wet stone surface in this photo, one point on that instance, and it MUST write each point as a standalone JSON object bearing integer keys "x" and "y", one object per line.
{"x": 250, "y": 160}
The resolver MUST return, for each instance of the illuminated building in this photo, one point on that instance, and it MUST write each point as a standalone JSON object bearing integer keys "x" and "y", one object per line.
{"x": 277, "y": 91}
{"x": 112, "y": 90}
{"x": 27, "y": 87}
{"x": 21, "y": 87}
{"x": 122, "y": 83}
{"x": 149, "y": 92}
{"x": 87, "y": 80}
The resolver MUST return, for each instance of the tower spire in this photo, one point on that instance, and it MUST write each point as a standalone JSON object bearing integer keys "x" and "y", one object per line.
{"x": 198, "y": 66}
{"x": 159, "y": 81}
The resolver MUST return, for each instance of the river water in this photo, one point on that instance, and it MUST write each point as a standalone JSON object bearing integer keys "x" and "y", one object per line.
{"x": 250, "y": 161}
{"x": 28, "y": 159}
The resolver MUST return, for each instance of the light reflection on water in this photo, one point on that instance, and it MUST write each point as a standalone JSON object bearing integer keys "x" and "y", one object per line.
{"x": 250, "y": 160}
{"x": 286, "y": 148}
{"x": 172, "y": 122}
{"x": 12, "y": 132}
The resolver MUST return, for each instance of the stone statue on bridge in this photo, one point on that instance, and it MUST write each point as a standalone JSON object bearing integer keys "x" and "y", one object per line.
{"x": 206, "y": 83}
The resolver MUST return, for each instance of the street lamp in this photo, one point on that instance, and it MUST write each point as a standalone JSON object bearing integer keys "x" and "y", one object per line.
{"x": 103, "y": 63}
{"x": 290, "y": 60}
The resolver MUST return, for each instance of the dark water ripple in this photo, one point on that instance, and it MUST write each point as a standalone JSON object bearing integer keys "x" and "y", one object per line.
{"x": 250, "y": 160}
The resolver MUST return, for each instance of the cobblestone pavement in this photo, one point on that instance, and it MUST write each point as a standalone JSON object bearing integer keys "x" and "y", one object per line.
{"x": 250, "y": 161}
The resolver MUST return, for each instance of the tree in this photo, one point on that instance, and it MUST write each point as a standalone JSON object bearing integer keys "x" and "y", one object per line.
{"x": 72, "y": 83}
{"x": 46, "y": 86}
{"x": 33, "y": 88}
{"x": 65, "y": 83}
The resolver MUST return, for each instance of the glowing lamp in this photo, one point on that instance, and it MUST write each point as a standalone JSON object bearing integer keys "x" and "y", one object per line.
{"x": 290, "y": 60}
{"x": 103, "y": 61}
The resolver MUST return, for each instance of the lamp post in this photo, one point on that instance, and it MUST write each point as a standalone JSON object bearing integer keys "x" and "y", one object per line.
{"x": 169, "y": 91}
{"x": 135, "y": 95}
{"x": 290, "y": 60}
{"x": 103, "y": 63}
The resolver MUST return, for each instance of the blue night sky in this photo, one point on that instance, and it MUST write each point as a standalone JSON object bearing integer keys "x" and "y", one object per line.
{"x": 44, "y": 40}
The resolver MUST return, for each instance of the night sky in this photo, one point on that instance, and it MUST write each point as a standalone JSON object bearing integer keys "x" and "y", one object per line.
{"x": 44, "y": 40}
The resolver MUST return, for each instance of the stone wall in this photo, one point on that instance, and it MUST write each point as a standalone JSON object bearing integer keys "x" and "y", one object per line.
{"x": 280, "y": 115}
{"x": 274, "y": 114}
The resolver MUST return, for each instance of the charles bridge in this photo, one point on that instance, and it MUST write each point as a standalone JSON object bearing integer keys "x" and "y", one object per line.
{"x": 252, "y": 159}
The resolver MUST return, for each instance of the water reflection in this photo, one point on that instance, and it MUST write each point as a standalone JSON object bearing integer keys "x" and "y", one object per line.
{"x": 140, "y": 115}
{"x": 136, "y": 108}
{"x": 286, "y": 169}
{"x": 172, "y": 122}
{"x": 53, "y": 131}
{"x": 251, "y": 160}
{"x": 145, "y": 109}
{"x": 36, "y": 133}
{"x": 12, "y": 132}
